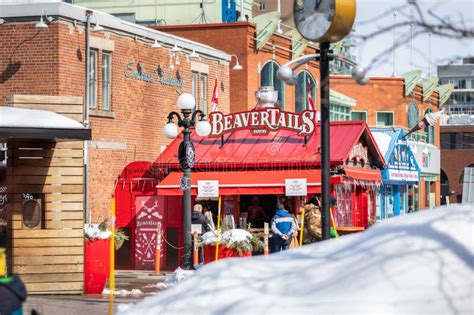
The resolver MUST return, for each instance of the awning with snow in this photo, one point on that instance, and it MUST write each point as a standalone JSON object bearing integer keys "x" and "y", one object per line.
{"x": 19, "y": 123}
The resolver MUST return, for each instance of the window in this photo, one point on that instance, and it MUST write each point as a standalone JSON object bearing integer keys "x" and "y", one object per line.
{"x": 268, "y": 77}
{"x": 305, "y": 84}
{"x": 106, "y": 80}
{"x": 413, "y": 115}
{"x": 339, "y": 112}
{"x": 204, "y": 93}
{"x": 384, "y": 119}
{"x": 194, "y": 86}
{"x": 261, "y": 6}
{"x": 93, "y": 79}
{"x": 429, "y": 130}
{"x": 358, "y": 115}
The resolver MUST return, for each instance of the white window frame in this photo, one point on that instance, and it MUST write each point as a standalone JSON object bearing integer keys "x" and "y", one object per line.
{"x": 384, "y": 112}
{"x": 107, "y": 83}
{"x": 93, "y": 78}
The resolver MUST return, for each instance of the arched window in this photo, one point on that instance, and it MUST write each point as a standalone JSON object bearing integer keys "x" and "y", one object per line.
{"x": 413, "y": 115}
{"x": 305, "y": 84}
{"x": 429, "y": 130}
{"x": 268, "y": 77}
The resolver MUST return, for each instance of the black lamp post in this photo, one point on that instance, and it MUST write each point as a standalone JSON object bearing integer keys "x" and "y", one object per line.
{"x": 186, "y": 104}
{"x": 287, "y": 73}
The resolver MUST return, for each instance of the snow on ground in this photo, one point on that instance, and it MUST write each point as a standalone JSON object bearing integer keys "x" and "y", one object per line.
{"x": 123, "y": 292}
{"x": 176, "y": 277}
{"x": 228, "y": 237}
{"x": 418, "y": 263}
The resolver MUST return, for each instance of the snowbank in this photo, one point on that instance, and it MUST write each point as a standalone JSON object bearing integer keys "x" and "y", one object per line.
{"x": 418, "y": 263}
{"x": 177, "y": 276}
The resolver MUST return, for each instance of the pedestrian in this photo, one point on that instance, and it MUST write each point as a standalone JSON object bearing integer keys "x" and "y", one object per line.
{"x": 312, "y": 222}
{"x": 12, "y": 295}
{"x": 208, "y": 215}
{"x": 198, "y": 218}
{"x": 283, "y": 226}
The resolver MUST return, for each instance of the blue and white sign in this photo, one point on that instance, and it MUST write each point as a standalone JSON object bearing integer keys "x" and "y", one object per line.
{"x": 402, "y": 164}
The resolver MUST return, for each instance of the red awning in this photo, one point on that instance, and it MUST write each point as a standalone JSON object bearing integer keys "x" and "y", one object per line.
{"x": 252, "y": 182}
{"x": 363, "y": 173}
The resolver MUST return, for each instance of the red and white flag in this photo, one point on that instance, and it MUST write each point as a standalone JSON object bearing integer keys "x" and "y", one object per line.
{"x": 310, "y": 98}
{"x": 215, "y": 98}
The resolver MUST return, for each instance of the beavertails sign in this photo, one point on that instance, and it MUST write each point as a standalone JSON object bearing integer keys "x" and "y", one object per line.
{"x": 262, "y": 121}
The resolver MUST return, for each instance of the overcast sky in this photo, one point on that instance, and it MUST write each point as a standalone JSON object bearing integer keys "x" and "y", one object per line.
{"x": 443, "y": 50}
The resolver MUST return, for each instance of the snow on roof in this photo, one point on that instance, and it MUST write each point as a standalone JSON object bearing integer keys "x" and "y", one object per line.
{"x": 32, "y": 118}
{"x": 383, "y": 141}
{"x": 417, "y": 263}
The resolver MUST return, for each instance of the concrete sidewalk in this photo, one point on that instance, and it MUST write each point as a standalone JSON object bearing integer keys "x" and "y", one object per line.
{"x": 93, "y": 304}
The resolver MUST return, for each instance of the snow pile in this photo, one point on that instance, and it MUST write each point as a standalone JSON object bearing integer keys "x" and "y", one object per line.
{"x": 92, "y": 231}
{"x": 123, "y": 292}
{"x": 383, "y": 141}
{"x": 177, "y": 276}
{"x": 229, "y": 237}
{"x": 417, "y": 263}
{"x": 34, "y": 118}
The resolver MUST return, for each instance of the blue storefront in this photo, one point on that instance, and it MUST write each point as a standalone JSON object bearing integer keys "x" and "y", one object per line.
{"x": 401, "y": 176}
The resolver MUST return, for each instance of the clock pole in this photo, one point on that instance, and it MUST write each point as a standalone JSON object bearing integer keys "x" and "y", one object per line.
{"x": 325, "y": 132}
{"x": 186, "y": 157}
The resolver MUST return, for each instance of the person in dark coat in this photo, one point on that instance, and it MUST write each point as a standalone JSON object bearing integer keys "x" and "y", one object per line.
{"x": 198, "y": 218}
{"x": 12, "y": 295}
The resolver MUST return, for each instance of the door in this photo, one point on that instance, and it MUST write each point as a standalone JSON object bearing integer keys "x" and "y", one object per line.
{"x": 149, "y": 218}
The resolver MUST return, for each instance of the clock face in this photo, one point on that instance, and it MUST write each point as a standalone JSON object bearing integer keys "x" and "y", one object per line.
{"x": 324, "y": 20}
{"x": 313, "y": 18}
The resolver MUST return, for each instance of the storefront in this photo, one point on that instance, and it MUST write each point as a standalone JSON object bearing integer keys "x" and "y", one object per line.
{"x": 428, "y": 158}
{"x": 400, "y": 178}
{"x": 254, "y": 170}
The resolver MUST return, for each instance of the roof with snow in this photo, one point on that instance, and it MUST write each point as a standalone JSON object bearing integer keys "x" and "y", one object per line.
{"x": 420, "y": 263}
{"x": 22, "y": 123}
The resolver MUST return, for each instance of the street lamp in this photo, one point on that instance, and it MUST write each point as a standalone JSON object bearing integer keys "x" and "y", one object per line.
{"x": 186, "y": 104}
{"x": 287, "y": 73}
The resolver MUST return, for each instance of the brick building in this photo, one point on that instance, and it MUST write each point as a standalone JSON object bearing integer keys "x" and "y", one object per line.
{"x": 384, "y": 102}
{"x": 133, "y": 87}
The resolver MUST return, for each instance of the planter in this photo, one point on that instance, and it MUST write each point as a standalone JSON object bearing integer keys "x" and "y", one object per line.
{"x": 96, "y": 265}
{"x": 224, "y": 252}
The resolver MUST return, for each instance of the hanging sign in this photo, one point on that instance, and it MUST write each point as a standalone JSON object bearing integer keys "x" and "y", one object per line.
{"x": 208, "y": 188}
{"x": 262, "y": 121}
{"x": 401, "y": 165}
{"x": 296, "y": 187}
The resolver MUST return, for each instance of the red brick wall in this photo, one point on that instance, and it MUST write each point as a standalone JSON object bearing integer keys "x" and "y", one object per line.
{"x": 53, "y": 63}
{"x": 245, "y": 83}
{"x": 454, "y": 161}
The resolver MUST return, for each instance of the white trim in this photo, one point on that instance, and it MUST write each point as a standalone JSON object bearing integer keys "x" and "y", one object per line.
{"x": 77, "y": 13}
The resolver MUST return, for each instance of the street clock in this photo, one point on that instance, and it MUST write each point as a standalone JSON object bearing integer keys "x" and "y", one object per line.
{"x": 324, "y": 20}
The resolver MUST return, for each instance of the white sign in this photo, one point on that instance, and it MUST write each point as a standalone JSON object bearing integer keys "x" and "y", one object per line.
{"x": 428, "y": 158}
{"x": 196, "y": 228}
{"x": 296, "y": 187}
{"x": 208, "y": 188}
{"x": 410, "y": 176}
{"x": 184, "y": 183}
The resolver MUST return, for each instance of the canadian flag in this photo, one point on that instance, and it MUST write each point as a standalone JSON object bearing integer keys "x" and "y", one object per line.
{"x": 215, "y": 99}
{"x": 310, "y": 101}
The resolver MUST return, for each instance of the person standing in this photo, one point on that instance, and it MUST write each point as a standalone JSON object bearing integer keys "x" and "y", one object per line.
{"x": 198, "y": 218}
{"x": 283, "y": 227}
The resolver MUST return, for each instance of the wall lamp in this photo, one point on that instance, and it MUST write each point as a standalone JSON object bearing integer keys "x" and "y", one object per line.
{"x": 41, "y": 25}
{"x": 287, "y": 71}
{"x": 2, "y": 21}
{"x": 237, "y": 64}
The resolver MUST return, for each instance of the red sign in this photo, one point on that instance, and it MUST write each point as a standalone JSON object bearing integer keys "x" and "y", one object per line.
{"x": 261, "y": 121}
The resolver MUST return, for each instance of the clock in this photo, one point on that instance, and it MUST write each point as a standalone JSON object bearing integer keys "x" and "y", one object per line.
{"x": 186, "y": 155}
{"x": 324, "y": 20}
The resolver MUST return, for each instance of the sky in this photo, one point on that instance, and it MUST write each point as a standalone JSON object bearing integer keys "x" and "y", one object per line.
{"x": 443, "y": 50}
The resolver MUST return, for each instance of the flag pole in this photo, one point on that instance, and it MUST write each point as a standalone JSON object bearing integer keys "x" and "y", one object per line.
{"x": 218, "y": 227}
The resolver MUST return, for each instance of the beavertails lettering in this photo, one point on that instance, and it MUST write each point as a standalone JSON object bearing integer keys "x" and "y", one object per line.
{"x": 262, "y": 121}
